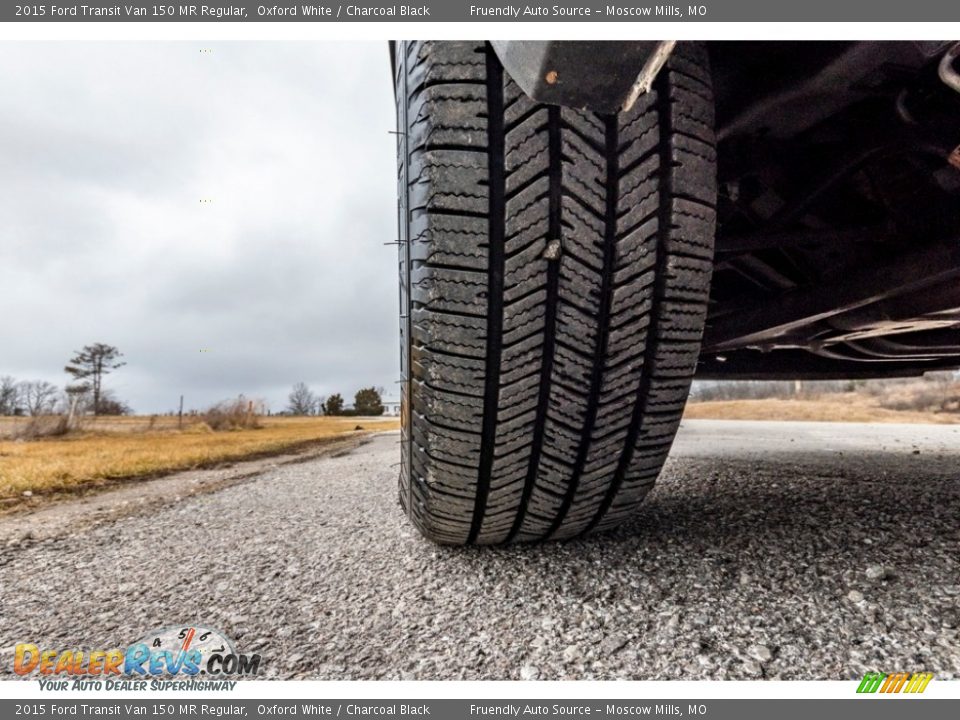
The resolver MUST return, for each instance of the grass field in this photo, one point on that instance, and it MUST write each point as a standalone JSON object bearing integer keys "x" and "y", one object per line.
{"x": 115, "y": 448}
{"x": 840, "y": 407}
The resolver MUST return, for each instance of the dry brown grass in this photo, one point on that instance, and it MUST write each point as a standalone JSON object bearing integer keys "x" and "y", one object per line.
{"x": 231, "y": 415}
{"x": 840, "y": 407}
{"x": 130, "y": 448}
{"x": 13, "y": 427}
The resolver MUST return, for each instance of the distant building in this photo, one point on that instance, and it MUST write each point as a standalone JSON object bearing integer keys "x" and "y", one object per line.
{"x": 391, "y": 406}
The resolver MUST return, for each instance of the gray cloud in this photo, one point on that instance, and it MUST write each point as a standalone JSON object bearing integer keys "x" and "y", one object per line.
{"x": 108, "y": 150}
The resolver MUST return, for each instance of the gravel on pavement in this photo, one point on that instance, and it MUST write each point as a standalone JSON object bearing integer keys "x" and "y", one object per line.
{"x": 767, "y": 550}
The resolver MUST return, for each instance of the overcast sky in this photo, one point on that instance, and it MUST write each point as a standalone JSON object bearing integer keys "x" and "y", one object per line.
{"x": 106, "y": 151}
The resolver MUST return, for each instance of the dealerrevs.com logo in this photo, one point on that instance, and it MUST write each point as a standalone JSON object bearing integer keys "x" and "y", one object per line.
{"x": 876, "y": 682}
{"x": 158, "y": 659}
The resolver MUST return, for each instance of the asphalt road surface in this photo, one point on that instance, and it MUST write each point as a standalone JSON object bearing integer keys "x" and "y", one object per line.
{"x": 776, "y": 550}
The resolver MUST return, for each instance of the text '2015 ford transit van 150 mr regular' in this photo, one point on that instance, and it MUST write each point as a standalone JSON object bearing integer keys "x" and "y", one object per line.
{"x": 587, "y": 226}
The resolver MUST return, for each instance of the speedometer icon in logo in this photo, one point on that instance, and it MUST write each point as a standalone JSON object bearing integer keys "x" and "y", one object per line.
{"x": 183, "y": 639}
{"x": 189, "y": 650}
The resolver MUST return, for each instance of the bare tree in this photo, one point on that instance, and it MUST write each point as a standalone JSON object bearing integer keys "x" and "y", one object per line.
{"x": 93, "y": 362}
{"x": 301, "y": 400}
{"x": 38, "y": 396}
{"x": 111, "y": 405}
{"x": 9, "y": 396}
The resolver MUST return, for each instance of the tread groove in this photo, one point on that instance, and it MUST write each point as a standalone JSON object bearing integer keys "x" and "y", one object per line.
{"x": 497, "y": 220}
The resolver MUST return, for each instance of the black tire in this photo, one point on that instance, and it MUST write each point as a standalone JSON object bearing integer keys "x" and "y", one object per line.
{"x": 545, "y": 381}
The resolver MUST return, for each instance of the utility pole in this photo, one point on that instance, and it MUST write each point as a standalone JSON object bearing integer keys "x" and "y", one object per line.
{"x": 180, "y": 415}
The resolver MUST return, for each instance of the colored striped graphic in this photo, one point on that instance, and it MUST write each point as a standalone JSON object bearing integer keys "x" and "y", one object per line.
{"x": 894, "y": 683}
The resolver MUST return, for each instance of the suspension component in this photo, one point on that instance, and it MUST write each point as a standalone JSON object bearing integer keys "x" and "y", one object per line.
{"x": 948, "y": 73}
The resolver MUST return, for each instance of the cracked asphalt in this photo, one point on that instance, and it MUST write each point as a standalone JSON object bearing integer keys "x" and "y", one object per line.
{"x": 767, "y": 550}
